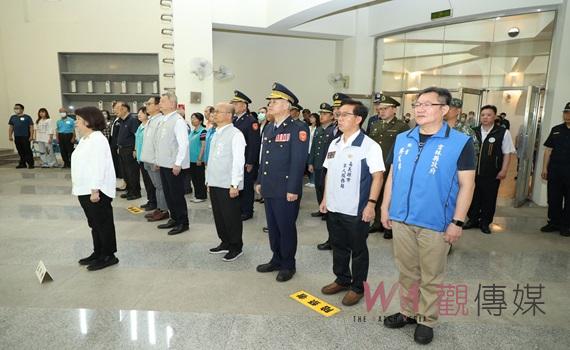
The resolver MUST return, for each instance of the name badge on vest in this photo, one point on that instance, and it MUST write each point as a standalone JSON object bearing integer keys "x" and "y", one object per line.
{"x": 282, "y": 138}
{"x": 22, "y": 118}
{"x": 492, "y": 140}
{"x": 330, "y": 155}
{"x": 68, "y": 122}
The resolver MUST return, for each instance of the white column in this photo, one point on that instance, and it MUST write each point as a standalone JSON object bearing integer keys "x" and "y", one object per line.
{"x": 557, "y": 92}
{"x": 358, "y": 56}
{"x": 192, "y": 25}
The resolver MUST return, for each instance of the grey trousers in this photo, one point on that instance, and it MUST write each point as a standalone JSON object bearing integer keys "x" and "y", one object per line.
{"x": 157, "y": 182}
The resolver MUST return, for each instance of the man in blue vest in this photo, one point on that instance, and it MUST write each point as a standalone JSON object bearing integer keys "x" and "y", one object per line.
{"x": 280, "y": 181}
{"x": 426, "y": 199}
{"x": 249, "y": 126}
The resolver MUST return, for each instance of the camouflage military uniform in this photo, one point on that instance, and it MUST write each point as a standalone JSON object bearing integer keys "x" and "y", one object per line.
{"x": 464, "y": 128}
{"x": 385, "y": 135}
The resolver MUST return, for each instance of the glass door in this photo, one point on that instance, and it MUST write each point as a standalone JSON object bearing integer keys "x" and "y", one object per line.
{"x": 472, "y": 102}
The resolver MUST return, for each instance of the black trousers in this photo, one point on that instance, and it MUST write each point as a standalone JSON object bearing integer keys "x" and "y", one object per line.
{"x": 24, "y": 150}
{"x": 187, "y": 180}
{"x": 66, "y": 148}
{"x": 281, "y": 221}
{"x": 247, "y": 195}
{"x": 116, "y": 162}
{"x": 558, "y": 189}
{"x": 227, "y": 217}
{"x": 100, "y": 220}
{"x": 320, "y": 183}
{"x": 173, "y": 187}
{"x": 148, "y": 186}
{"x": 198, "y": 176}
{"x": 484, "y": 200}
{"x": 348, "y": 236}
{"x": 131, "y": 170}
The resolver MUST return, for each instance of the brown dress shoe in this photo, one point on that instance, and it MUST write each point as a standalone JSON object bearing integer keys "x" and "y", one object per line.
{"x": 160, "y": 215}
{"x": 333, "y": 288}
{"x": 351, "y": 298}
{"x": 151, "y": 214}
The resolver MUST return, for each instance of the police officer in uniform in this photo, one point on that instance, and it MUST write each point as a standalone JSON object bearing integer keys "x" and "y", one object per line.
{"x": 373, "y": 119}
{"x": 492, "y": 166}
{"x": 321, "y": 141}
{"x": 249, "y": 126}
{"x": 280, "y": 181}
{"x": 337, "y": 101}
{"x": 556, "y": 171}
{"x": 384, "y": 132}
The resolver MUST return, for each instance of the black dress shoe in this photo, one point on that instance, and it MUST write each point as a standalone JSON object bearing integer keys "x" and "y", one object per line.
{"x": 485, "y": 229}
{"x": 285, "y": 275}
{"x": 398, "y": 321}
{"x": 245, "y": 217}
{"x": 387, "y": 234}
{"x": 103, "y": 262}
{"x": 565, "y": 232}
{"x": 144, "y": 206}
{"x": 549, "y": 228}
{"x": 20, "y": 166}
{"x": 88, "y": 260}
{"x": 178, "y": 229}
{"x": 117, "y": 189}
{"x": 31, "y": 166}
{"x": 470, "y": 224}
{"x": 170, "y": 224}
{"x": 324, "y": 246}
{"x": 269, "y": 267}
{"x": 374, "y": 228}
{"x": 423, "y": 334}
{"x": 317, "y": 214}
{"x": 133, "y": 197}
{"x": 265, "y": 229}
{"x": 124, "y": 195}
{"x": 150, "y": 208}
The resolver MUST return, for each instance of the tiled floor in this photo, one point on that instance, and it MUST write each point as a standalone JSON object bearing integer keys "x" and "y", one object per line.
{"x": 169, "y": 292}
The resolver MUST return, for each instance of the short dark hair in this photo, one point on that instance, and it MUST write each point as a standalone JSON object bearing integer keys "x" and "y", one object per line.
{"x": 306, "y": 110}
{"x": 19, "y": 105}
{"x": 443, "y": 95}
{"x": 155, "y": 99}
{"x": 93, "y": 117}
{"x": 124, "y": 104}
{"x": 491, "y": 107}
{"x": 142, "y": 109}
{"x": 198, "y": 116}
{"x": 360, "y": 110}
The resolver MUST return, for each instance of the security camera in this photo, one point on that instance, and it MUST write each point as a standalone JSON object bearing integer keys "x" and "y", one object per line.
{"x": 513, "y": 32}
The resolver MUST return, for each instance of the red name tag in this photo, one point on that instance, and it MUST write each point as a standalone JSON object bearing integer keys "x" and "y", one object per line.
{"x": 282, "y": 138}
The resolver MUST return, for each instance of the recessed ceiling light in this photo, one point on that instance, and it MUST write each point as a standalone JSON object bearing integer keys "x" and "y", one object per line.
{"x": 498, "y": 18}
{"x": 538, "y": 10}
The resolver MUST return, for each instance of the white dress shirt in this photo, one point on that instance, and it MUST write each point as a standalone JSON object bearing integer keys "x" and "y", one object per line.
{"x": 507, "y": 146}
{"x": 92, "y": 166}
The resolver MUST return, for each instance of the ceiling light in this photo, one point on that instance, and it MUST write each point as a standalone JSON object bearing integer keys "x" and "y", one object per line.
{"x": 538, "y": 10}
{"x": 498, "y": 18}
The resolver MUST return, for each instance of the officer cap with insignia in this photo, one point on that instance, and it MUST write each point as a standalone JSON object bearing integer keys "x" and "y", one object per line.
{"x": 326, "y": 108}
{"x": 338, "y": 98}
{"x": 240, "y": 97}
{"x": 279, "y": 91}
{"x": 297, "y": 107}
{"x": 455, "y": 102}
{"x": 385, "y": 100}
{"x": 567, "y": 108}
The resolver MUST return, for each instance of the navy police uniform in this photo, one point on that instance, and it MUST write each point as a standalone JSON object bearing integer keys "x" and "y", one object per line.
{"x": 558, "y": 177}
{"x": 249, "y": 126}
{"x": 283, "y": 159}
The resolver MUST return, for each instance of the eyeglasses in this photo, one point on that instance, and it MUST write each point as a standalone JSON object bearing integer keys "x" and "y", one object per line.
{"x": 345, "y": 114}
{"x": 426, "y": 104}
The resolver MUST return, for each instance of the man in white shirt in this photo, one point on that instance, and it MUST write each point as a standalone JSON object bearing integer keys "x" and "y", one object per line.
{"x": 355, "y": 169}
{"x": 172, "y": 155}
{"x": 492, "y": 166}
{"x": 225, "y": 178}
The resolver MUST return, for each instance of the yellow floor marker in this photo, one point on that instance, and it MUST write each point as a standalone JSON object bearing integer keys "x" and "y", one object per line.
{"x": 314, "y": 303}
{"x": 135, "y": 210}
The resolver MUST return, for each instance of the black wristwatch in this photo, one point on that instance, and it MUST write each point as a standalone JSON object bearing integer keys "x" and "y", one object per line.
{"x": 457, "y": 223}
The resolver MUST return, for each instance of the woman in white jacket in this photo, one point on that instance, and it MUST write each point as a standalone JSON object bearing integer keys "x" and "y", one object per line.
{"x": 93, "y": 179}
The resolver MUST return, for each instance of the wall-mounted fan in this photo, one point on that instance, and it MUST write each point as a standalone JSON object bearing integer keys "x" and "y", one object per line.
{"x": 223, "y": 73}
{"x": 338, "y": 81}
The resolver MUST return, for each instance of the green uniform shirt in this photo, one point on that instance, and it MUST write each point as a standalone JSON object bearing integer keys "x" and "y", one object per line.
{"x": 384, "y": 133}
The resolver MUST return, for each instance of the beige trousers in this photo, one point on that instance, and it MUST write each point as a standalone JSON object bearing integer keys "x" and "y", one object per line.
{"x": 421, "y": 258}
